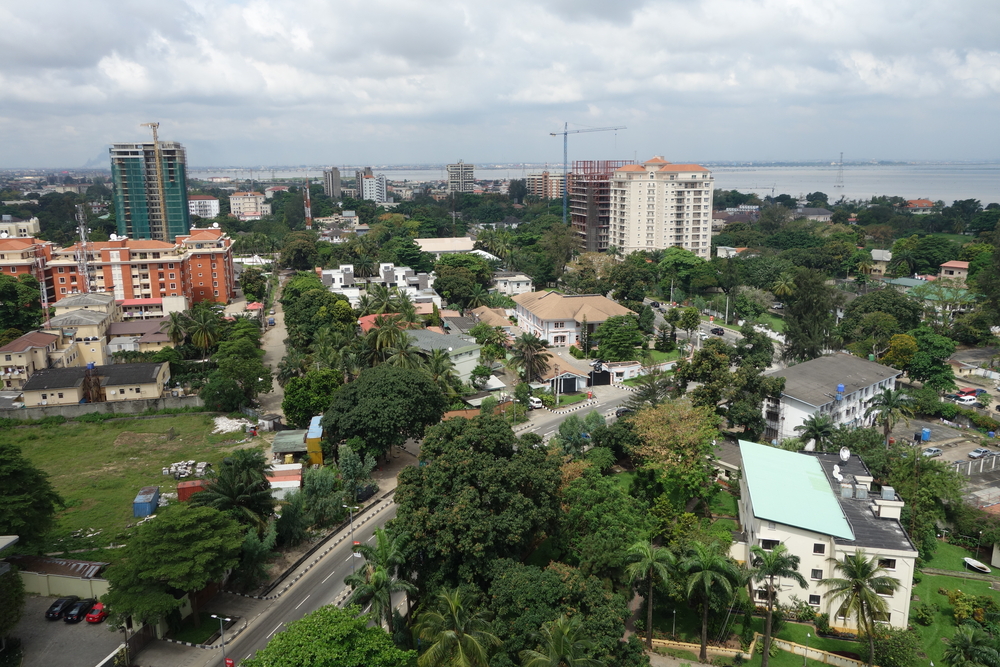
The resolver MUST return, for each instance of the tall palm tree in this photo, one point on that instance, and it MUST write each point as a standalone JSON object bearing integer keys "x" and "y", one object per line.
{"x": 890, "y": 406}
{"x": 294, "y": 364}
{"x": 530, "y": 356}
{"x": 365, "y": 266}
{"x": 458, "y": 636}
{"x": 562, "y": 646}
{"x": 709, "y": 571}
{"x": 240, "y": 488}
{"x": 784, "y": 285}
{"x": 441, "y": 368}
{"x": 478, "y": 296}
{"x": 382, "y": 299}
{"x": 175, "y": 326}
{"x": 767, "y": 566}
{"x": 406, "y": 355}
{"x": 903, "y": 262}
{"x": 387, "y": 553}
{"x": 649, "y": 563}
{"x": 971, "y": 647}
{"x": 817, "y": 427}
{"x": 203, "y": 327}
{"x": 376, "y": 584}
{"x": 859, "y": 589}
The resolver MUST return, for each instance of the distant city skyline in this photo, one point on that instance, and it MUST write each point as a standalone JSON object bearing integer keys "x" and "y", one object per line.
{"x": 391, "y": 82}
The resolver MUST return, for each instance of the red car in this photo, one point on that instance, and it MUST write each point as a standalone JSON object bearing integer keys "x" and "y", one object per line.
{"x": 966, "y": 392}
{"x": 97, "y": 614}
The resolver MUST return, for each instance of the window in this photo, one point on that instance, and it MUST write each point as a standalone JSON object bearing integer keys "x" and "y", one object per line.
{"x": 170, "y": 266}
{"x": 173, "y": 285}
{"x": 887, "y": 563}
{"x": 62, "y": 270}
{"x": 62, "y": 280}
{"x": 44, "y": 396}
{"x": 771, "y": 526}
{"x": 761, "y": 593}
{"x": 137, "y": 390}
{"x": 768, "y": 545}
{"x": 59, "y": 394}
{"x": 814, "y": 600}
{"x": 819, "y": 549}
{"x": 816, "y": 574}
{"x": 559, "y": 325}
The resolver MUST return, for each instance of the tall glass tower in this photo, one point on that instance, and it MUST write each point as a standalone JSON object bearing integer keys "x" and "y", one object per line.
{"x": 150, "y": 199}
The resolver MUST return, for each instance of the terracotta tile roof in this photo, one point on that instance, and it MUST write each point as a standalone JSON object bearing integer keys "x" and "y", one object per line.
{"x": 919, "y": 203}
{"x": 631, "y": 167}
{"x": 955, "y": 264}
{"x": 656, "y": 160}
{"x": 16, "y": 244}
{"x": 555, "y": 306}
{"x": 683, "y": 167}
{"x": 30, "y": 340}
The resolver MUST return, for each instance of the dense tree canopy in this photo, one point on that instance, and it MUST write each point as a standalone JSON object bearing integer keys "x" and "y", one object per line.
{"x": 28, "y": 502}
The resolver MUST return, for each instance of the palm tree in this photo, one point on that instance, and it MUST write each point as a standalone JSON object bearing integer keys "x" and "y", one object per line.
{"x": 294, "y": 364}
{"x": 971, "y": 647}
{"x": 458, "y": 636}
{"x": 203, "y": 327}
{"x": 382, "y": 299}
{"x": 890, "y": 406}
{"x": 365, "y": 266}
{"x": 441, "y": 368}
{"x": 376, "y": 584}
{"x": 388, "y": 553}
{"x": 709, "y": 571}
{"x": 651, "y": 564}
{"x": 768, "y": 565}
{"x": 529, "y": 356}
{"x": 904, "y": 260}
{"x": 240, "y": 488}
{"x": 784, "y": 285}
{"x": 478, "y": 296}
{"x": 406, "y": 355}
{"x": 817, "y": 427}
{"x": 859, "y": 589}
{"x": 175, "y": 326}
{"x": 561, "y": 646}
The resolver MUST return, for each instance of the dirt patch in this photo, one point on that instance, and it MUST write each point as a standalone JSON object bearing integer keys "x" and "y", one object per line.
{"x": 131, "y": 439}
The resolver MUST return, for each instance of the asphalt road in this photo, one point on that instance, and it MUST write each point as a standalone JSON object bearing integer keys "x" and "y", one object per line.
{"x": 322, "y": 585}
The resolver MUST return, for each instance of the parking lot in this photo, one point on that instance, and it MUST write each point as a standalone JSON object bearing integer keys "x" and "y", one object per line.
{"x": 47, "y": 643}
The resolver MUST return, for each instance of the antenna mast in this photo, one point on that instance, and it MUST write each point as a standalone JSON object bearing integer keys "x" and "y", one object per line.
{"x": 307, "y": 202}
{"x": 84, "y": 271}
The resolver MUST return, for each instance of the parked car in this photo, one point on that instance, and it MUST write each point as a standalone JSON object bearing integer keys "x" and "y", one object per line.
{"x": 718, "y": 331}
{"x": 703, "y": 335}
{"x": 596, "y": 362}
{"x": 79, "y": 610}
{"x": 966, "y": 400}
{"x": 654, "y": 304}
{"x": 980, "y": 452}
{"x": 270, "y": 321}
{"x": 933, "y": 451}
{"x": 951, "y": 397}
{"x": 621, "y": 412}
{"x": 979, "y": 405}
{"x": 778, "y": 306}
{"x": 59, "y": 607}
{"x": 97, "y": 614}
{"x": 271, "y": 312}
{"x": 534, "y": 403}
{"x": 968, "y": 391}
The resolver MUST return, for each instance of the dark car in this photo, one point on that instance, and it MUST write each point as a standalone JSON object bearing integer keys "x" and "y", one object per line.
{"x": 59, "y": 607}
{"x": 654, "y": 304}
{"x": 621, "y": 412}
{"x": 79, "y": 610}
{"x": 717, "y": 331}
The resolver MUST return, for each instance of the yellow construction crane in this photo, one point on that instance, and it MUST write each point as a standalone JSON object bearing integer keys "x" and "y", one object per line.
{"x": 161, "y": 204}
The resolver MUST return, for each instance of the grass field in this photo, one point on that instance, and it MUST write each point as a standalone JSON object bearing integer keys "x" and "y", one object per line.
{"x": 957, "y": 238}
{"x": 660, "y": 357}
{"x": 570, "y": 399}
{"x": 724, "y": 503}
{"x": 775, "y": 322}
{"x": 99, "y": 468}
{"x": 943, "y": 624}
{"x": 949, "y": 557}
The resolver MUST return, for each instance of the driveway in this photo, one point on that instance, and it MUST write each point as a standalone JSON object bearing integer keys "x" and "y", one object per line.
{"x": 47, "y": 643}
{"x": 273, "y": 344}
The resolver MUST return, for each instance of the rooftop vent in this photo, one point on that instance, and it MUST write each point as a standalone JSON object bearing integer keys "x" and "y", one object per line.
{"x": 888, "y": 493}
{"x": 846, "y": 491}
{"x": 861, "y": 492}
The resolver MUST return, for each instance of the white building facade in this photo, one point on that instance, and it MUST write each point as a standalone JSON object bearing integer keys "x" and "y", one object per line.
{"x": 659, "y": 205}
{"x": 203, "y": 206}
{"x": 248, "y": 205}
{"x": 461, "y": 177}
{"x": 841, "y": 386}
{"x": 511, "y": 283}
{"x": 373, "y": 188}
{"x": 560, "y": 318}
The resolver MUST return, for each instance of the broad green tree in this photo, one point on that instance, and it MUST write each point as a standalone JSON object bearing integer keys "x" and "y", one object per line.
{"x": 650, "y": 564}
{"x": 332, "y": 637}
{"x": 618, "y": 337}
{"x": 710, "y": 572}
{"x": 28, "y": 503}
{"x": 859, "y": 589}
{"x": 12, "y": 594}
{"x": 778, "y": 563}
{"x": 310, "y": 395}
{"x": 457, "y": 635}
{"x": 20, "y": 302}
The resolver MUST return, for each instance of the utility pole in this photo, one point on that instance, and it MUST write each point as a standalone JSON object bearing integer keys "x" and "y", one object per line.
{"x": 565, "y": 135}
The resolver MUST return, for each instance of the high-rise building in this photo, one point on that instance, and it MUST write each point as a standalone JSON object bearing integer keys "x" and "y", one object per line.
{"x": 373, "y": 188}
{"x": 590, "y": 201}
{"x": 545, "y": 185}
{"x": 150, "y": 181}
{"x": 331, "y": 183}
{"x": 461, "y": 177}
{"x": 658, "y": 205}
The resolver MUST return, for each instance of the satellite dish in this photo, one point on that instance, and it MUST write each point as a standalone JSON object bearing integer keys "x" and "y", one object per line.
{"x": 845, "y": 454}
{"x": 4, "y": 235}
{"x": 215, "y": 225}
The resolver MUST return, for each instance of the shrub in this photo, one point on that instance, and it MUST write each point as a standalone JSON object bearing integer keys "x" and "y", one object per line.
{"x": 576, "y": 352}
{"x": 822, "y": 622}
{"x": 922, "y": 614}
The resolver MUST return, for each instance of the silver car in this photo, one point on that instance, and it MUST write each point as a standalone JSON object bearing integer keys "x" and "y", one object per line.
{"x": 933, "y": 451}
{"x": 980, "y": 452}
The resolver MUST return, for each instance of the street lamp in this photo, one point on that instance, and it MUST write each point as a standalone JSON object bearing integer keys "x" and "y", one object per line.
{"x": 805, "y": 656}
{"x": 979, "y": 546}
{"x": 222, "y": 635}
{"x": 354, "y": 555}
{"x": 674, "y": 633}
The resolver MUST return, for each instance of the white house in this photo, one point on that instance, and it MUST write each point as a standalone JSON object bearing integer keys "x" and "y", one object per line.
{"x": 822, "y": 506}
{"x": 446, "y": 246}
{"x": 417, "y": 286}
{"x": 840, "y": 385}
{"x": 463, "y": 350}
{"x": 558, "y": 318}
{"x": 511, "y": 283}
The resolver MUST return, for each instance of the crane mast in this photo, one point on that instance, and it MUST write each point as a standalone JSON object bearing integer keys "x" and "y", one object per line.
{"x": 161, "y": 211}
{"x": 565, "y": 135}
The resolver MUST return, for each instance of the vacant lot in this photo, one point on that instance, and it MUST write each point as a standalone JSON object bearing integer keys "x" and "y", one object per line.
{"x": 99, "y": 468}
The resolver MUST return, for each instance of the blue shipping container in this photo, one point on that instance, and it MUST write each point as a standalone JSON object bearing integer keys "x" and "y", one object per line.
{"x": 146, "y": 502}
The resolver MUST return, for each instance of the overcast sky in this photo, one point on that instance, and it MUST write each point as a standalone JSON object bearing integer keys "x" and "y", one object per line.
{"x": 390, "y": 82}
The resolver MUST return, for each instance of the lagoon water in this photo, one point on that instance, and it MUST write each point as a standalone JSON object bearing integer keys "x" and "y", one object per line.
{"x": 944, "y": 181}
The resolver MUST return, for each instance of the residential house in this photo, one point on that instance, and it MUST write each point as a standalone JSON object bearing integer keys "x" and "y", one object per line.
{"x": 559, "y": 318}
{"x": 510, "y": 283}
{"x": 920, "y": 206}
{"x": 22, "y": 358}
{"x": 446, "y": 246}
{"x": 89, "y": 328}
{"x": 840, "y": 386}
{"x": 344, "y": 280}
{"x": 822, "y": 507}
{"x": 101, "y": 302}
{"x": 954, "y": 270}
{"x": 18, "y": 228}
{"x": 495, "y": 317}
{"x": 79, "y": 384}
{"x": 463, "y": 350}
{"x": 814, "y": 214}
{"x": 149, "y": 334}
{"x": 880, "y": 261}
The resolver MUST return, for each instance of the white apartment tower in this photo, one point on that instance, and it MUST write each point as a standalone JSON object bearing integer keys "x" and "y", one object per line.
{"x": 373, "y": 188}
{"x": 461, "y": 177}
{"x": 657, "y": 205}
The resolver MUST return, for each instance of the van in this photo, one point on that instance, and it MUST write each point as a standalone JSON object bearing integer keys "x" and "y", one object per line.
{"x": 534, "y": 403}
{"x": 965, "y": 400}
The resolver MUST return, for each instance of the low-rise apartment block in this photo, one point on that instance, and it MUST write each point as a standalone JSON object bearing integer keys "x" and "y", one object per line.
{"x": 248, "y": 205}
{"x": 96, "y": 384}
{"x": 344, "y": 280}
{"x": 18, "y": 228}
{"x": 511, "y": 283}
{"x": 204, "y": 206}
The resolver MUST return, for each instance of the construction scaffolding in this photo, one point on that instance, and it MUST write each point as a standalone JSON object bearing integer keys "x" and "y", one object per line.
{"x": 590, "y": 201}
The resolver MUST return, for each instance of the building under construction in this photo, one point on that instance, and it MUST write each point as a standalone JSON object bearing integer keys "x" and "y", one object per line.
{"x": 150, "y": 181}
{"x": 590, "y": 201}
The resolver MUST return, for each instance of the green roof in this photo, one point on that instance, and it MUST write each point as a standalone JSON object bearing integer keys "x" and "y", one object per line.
{"x": 286, "y": 442}
{"x": 791, "y": 488}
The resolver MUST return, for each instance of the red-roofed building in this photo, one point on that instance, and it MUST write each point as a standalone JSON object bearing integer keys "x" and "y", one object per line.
{"x": 920, "y": 206}
{"x": 954, "y": 270}
{"x": 659, "y": 205}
